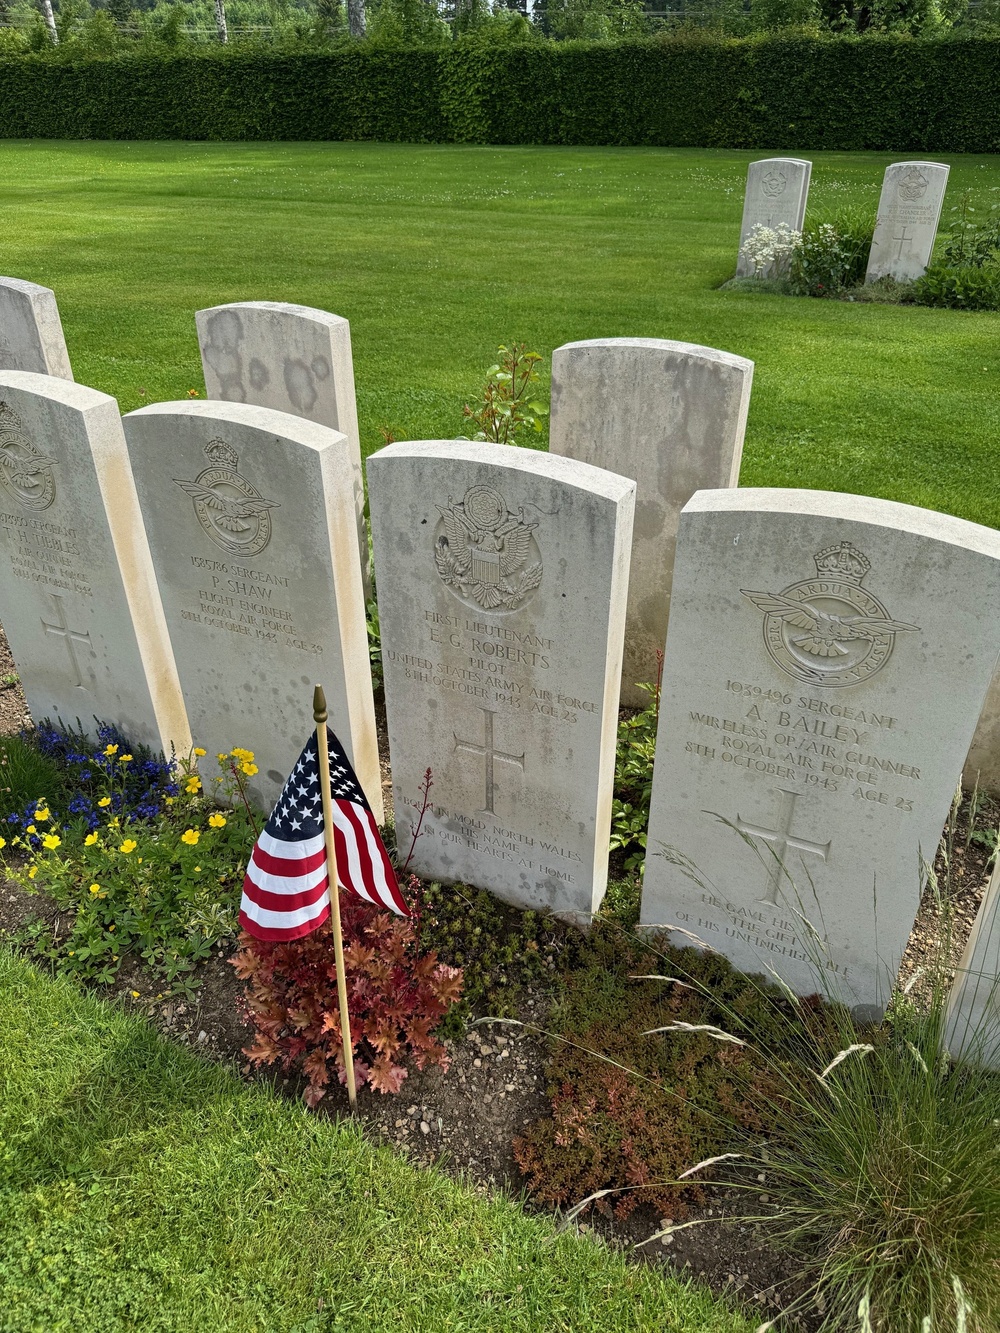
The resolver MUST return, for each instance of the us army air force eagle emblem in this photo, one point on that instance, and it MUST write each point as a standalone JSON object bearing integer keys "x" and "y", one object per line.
{"x": 233, "y": 513}
{"x": 486, "y": 555}
{"x": 24, "y": 472}
{"x": 829, "y": 630}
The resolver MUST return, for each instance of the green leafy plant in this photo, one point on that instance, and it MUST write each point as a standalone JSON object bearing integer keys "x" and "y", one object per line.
{"x": 26, "y": 776}
{"x": 831, "y": 256}
{"x": 634, "y": 778}
{"x": 508, "y": 405}
{"x": 967, "y": 287}
{"x": 972, "y": 240}
{"x": 398, "y": 993}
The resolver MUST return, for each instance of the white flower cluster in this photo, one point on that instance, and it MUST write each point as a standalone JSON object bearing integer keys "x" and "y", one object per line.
{"x": 769, "y": 249}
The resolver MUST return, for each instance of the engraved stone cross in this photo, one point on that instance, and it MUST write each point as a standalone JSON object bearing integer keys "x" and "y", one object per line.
{"x": 489, "y": 753}
{"x": 782, "y": 839}
{"x": 70, "y": 637}
{"x": 903, "y": 238}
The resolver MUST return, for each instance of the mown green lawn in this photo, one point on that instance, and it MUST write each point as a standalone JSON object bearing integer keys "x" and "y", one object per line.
{"x": 437, "y": 254}
{"x": 141, "y": 1188}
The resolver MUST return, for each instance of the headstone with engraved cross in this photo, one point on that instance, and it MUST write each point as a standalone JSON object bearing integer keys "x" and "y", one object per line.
{"x": 290, "y": 357}
{"x": 502, "y": 575}
{"x": 250, "y": 515}
{"x": 31, "y": 336}
{"x": 776, "y": 193}
{"x": 909, "y": 210}
{"x": 79, "y": 602}
{"x": 826, "y": 662}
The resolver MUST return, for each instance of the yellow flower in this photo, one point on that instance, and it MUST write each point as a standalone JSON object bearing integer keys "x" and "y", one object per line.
{"x": 3, "y": 843}
{"x": 245, "y": 756}
{"x": 135, "y": 995}
{"x": 197, "y": 870}
{"x": 217, "y": 821}
{"x": 222, "y": 758}
{"x": 193, "y": 784}
{"x": 32, "y": 872}
{"x": 129, "y": 845}
{"x": 104, "y": 802}
{"x": 249, "y": 769}
{"x": 125, "y": 758}
{"x": 32, "y": 829}
{"x": 110, "y": 927}
{"x": 50, "y": 842}
{"x": 90, "y": 839}
{"x": 111, "y": 749}
{"x": 97, "y": 891}
{"x": 200, "y": 752}
{"x": 42, "y": 814}
{"x": 168, "y": 800}
{"x": 190, "y": 836}
{"x": 114, "y": 823}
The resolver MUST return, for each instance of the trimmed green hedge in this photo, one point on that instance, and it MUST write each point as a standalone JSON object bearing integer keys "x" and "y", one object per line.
{"x": 880, "y": 93}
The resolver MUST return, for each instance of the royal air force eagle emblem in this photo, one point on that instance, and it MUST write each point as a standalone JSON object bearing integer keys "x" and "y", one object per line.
{"x": 829, "y": 630}
{"x": 25, "y": 473}
{"x": 233, "y": 513}
{"x": 486, "y": 554}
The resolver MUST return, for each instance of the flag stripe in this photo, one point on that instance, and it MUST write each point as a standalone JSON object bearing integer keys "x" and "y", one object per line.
{"x": 286, "y": 899}
{"x": 279, "y": 847}
{"x": 288, "y": 866}
{"x": 284, "y": 931}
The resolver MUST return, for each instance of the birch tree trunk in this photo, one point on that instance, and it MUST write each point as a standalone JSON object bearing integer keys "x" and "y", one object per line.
{"x": 50, "y": 20}
{"x": 220, "y": 20}
{"x": 356, "y": 17}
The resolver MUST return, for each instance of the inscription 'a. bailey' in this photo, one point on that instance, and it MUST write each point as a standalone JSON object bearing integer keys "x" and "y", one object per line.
{"x": 231, "y": 511}
{"x": 807, "y": 633}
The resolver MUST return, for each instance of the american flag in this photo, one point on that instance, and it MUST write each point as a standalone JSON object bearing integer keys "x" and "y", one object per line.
{"x": 286, "y": 890}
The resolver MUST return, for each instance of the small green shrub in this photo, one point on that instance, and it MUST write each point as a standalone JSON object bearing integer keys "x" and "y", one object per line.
{"x": 967, "y": 287}
{"x": 509, "y": 404}
{"x": 634, "y": 781}
{"x": 831, "y": 256}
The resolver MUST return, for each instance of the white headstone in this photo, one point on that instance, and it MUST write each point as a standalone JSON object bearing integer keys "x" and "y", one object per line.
{"x": 909, "y": 210}
{"x": 826, "y": 662}
{"x": 671, "y": 416}
{"x": 292, "y": 358}
{"x": 31, "y": 336}
{"x": 250, "y": 515}
{"x": 79, "y": 602}
{"x": 777, "y": 189}
{"x": 972, "y": 1028}
{"x": 982, "y": 767}
{"x": 501, "y": 577}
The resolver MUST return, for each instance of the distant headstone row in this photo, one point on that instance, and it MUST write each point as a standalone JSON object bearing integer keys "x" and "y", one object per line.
{"x": 909, "y": 211}
{"x": 195, "y": 568}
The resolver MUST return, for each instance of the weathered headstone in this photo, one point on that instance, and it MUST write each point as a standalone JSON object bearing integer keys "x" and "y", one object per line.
{"x": 250, "y": 515}
{"x": 671, "y": 416}
{"x": 826, "y": 662}
{"x": 777, "y": 189}
{"x": 79, "y": 601}
{"x": 502, "y": 575}
{"x": 292, "y": 358}
{"x": 982, "y": 767}
{"x": 972, "y": 1028}
{"x": 31, "y": 336}
{"x": 909, "y": 210}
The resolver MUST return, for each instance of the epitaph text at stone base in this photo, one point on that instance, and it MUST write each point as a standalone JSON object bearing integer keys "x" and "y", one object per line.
{"x": 671, "y": 416}
{"x": 31, "y": 335}
{"x": 502, "y": 578}
{"x": 79, "y": 602}
{"x": 290, "y": 357}
{"x": 826, "y": 662}
{"x": 909, "y": 210}
{"x": 250, "y": 516}
{"x": 776, "y": 193}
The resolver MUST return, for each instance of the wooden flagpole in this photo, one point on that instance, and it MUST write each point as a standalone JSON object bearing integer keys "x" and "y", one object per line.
{"x": 319, "y": 716}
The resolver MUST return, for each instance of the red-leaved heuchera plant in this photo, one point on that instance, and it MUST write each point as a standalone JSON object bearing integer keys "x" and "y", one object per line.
{"x": 396, "y": 994}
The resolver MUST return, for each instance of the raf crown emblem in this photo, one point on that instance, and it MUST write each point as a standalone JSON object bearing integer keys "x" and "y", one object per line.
{"x": 233, "y": 513}
{"x": 486, "y": 555}
{"x": 24, "y": 472}
{"x": 912, "y": 184}
{"x": 829, "y": 630}
{"x": 773, "y": 183}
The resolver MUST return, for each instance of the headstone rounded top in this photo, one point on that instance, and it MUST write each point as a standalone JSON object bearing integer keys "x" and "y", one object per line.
{"x": 869, "y": 509}
{"x": 31, "y": 334}
{"x": 278, "y": 308}
{"x": 268, "y": 419}
{"x": 60, "y": 390}
{"x": 567, "y": 471}
{"x": 667, "y": 346}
